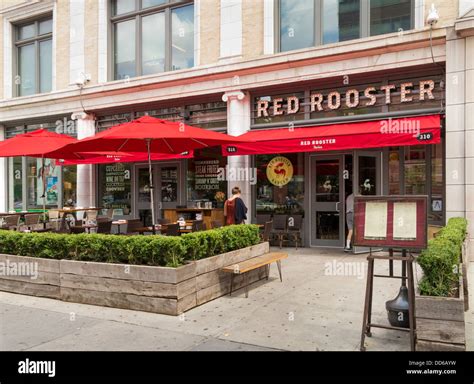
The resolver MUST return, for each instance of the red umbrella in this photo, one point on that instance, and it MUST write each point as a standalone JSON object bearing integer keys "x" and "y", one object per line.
{"x": 150, "y": 135}
{"x": 120, "y": 157}
{"x": 35, "y": 144}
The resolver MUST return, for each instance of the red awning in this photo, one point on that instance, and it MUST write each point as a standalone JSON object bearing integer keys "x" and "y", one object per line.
{"x": 367, "y": 134}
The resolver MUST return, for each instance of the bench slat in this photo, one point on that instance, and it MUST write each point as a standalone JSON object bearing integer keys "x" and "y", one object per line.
{"x": 255, "y": 263}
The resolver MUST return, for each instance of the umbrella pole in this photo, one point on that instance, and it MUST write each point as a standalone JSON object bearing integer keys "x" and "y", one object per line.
{"x": 44, "y": 192}
{"x": 148, "y": 143}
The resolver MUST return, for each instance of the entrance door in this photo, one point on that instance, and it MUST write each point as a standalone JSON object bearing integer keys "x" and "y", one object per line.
{"x": 166, "y": 191}
{"x": 327, "y": 211}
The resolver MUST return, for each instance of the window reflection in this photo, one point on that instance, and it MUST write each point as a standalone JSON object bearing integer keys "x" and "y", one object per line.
{"x": 296, "y": 24}
{"x": 389, "y": 16}
{"x": 125, "y": 49}
{"x": 182, "y": 37}
{"x": 341, "y": 20}
{"x": 153, "y": 43}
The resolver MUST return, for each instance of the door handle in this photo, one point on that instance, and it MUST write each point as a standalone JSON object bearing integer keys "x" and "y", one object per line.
{"x": 337, "y": 206}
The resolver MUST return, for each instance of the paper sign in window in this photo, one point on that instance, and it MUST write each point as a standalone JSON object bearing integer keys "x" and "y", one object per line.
{"x": 375, "y": 220}
{"x": 404, "y": 221}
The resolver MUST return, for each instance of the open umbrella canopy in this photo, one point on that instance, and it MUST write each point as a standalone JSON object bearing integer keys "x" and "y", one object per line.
{"x": 34, "y": 144}
{"x": 162, "y": 137}
{"x": 120, "y": 157}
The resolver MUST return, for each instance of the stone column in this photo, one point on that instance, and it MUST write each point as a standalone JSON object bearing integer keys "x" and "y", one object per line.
{"x": 3, "y": 176}
{"x": 86, "y": 192}
{"x": 469, "y": 142}
{"x": 238, "y": 122}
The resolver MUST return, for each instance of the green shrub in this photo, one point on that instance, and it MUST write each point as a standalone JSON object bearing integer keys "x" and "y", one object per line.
{"x": 170, "y": 251}
{"x": 440, "y": 260}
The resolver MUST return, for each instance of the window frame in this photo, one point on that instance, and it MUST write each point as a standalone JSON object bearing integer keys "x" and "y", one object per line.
{"x": 35, "y": 40}
{"x": 167, "y": 7}
{"x": 364, "y": 23}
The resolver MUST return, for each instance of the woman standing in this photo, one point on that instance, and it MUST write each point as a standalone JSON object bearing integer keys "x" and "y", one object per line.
{"x": 235, "y": 211}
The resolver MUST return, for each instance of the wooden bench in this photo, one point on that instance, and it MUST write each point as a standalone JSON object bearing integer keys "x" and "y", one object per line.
{"x": 251, "y": 264}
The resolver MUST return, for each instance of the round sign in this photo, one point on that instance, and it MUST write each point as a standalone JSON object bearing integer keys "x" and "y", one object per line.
{"x": 279, "y": 171}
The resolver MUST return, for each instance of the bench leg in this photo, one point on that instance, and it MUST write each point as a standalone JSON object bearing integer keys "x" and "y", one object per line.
{"x": 279, "y": 269}
{"x": 246, "y": 282}
{"x": 231, "y": 283}
{"x": 268, "y": 271}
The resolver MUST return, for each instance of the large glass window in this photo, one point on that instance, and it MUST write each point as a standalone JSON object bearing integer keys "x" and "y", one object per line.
{"x": 308, "y": 23}
{"x": 415, "y": 170}
{"x": 341, "y": 20}
{"x": 33, "y": 44}
{"x": 116, "y": 188}
{"x": 152, "y": 36}
{"x": 388, "y": 16}
{"x": 207, "y": 177}
{"x": 280, "y": 183}
{"x": 296, "y": 24}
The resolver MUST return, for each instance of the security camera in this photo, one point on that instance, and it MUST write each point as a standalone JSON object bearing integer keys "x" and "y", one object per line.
{"x": 433, "y": 16}
{"x": 82, "y": 80}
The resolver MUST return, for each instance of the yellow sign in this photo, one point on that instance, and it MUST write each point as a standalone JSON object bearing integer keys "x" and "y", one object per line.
{"x": 279, "y": 171}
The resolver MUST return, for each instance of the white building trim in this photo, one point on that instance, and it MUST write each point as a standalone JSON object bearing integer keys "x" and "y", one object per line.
{"x": 102, "y": 42}
{"x": 3, "y": 176}
{"x": 76, "y": 39}
{"x": 268, "y": 27}
{"x": 419, "y": 14}
{"x": 231, "y": 29}
{"x": 197, "y": 32}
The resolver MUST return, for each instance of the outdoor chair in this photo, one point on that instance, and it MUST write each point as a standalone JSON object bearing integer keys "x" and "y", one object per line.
{"x": 11, "y": 223}
{"x": 263, "y": 218}
{"x": 163, "y": 221}
{"x": 198, "y": 225}
{"x": 134, "y": 226}
{"x": 216, "y": 224}
{"x": 76, "y": 229}
{"x": 108, "y": 214}
{"x": 267, "y": 229}
{"x": 172, "y": 230}
{"x": 294, "y": 228}
{"x": 32, "y": 222}
{"x": 279, "y": 228}
{"x": 54, "y": 221}
{"x": 104, "y": 226}
{"x": 90, "y": 217}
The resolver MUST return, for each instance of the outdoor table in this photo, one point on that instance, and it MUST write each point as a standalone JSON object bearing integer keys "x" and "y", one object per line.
{"x": 118, "y": 223}
{"x": 72, "y": 212}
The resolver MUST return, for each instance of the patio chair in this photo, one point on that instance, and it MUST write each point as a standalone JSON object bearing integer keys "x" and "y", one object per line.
{"x": 54, "y": 221}
{"x": 172, "y": 230}
{"x": 163, "y": 221}
{"x": 267, "y": 229}
{"x": 279, "y": 227}
{"x": 216, "y": 224}
{"x": 104, "y": 226}
{"x": 133, "y": 226}
{"x": 32, "y": 222}
{"x": 76, "y": 229}
{"x": 294, "y": 229}
{"x": 11, "y": 223}
{"x": 90, "y": 217}
{"x": 198, "y": 225}
{"x": 263, "y": 218}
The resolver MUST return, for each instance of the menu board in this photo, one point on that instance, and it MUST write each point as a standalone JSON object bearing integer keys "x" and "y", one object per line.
{"x": 375, "y": 220}
{"x": 205, "y": 175}
{"x": 404, "y": 221}
{"x": 391, "y": 221}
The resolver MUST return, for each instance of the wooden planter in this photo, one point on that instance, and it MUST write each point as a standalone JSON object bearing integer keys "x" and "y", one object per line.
{"x": 170, "y": 291}
{"x": 440, "y": 320}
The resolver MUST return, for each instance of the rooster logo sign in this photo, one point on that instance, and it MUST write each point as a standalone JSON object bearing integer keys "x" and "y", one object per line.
{"x": 280, "y": 171}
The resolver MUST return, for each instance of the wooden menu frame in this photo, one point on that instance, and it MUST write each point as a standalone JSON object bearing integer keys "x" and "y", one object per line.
{"x": 397, "y": 221}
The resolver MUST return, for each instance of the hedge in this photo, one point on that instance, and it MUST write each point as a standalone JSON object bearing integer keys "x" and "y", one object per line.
{"x": 440, "y": 260}
{"x": 170, "y": 251}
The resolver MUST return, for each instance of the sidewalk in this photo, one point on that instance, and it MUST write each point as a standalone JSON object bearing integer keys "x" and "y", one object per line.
{"x": 311, "y": 310}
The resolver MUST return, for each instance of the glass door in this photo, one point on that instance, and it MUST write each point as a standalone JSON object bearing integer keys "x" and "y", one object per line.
{"x": 166, "y": 190}
{"x": 327, "y": 210}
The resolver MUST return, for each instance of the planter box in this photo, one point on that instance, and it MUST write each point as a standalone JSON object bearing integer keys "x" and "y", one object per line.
{"x": 440, "y": 320}
{"x": 170, "y": 291}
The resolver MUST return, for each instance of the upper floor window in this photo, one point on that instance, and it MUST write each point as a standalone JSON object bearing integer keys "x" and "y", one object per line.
{"x": 308, "y": 23}
{"x": 34, "y": 57}
{"x": 151, "y": 36}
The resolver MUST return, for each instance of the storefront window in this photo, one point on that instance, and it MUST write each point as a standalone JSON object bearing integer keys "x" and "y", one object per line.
{"x": 280, "y": 183}
{"x": 415, "y": 170}
{"x": 69, "y": 185}
{"x": 436, "y": 213}
{"x": 115, "y": 187}
{"x": 42, "y": 182}
{"x": 394, "y": 171}
{"x": 16, "y": 186}
{"x": 206, "y": 177}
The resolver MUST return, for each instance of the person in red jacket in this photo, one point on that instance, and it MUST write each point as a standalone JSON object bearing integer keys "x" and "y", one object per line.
{"x": 235, "y": 211}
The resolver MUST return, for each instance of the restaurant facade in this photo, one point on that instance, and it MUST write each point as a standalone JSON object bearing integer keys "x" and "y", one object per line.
{"x": 406, "y": 82}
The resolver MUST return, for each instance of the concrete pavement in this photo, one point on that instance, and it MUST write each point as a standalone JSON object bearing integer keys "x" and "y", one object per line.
{"x": 318, "y": 306}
